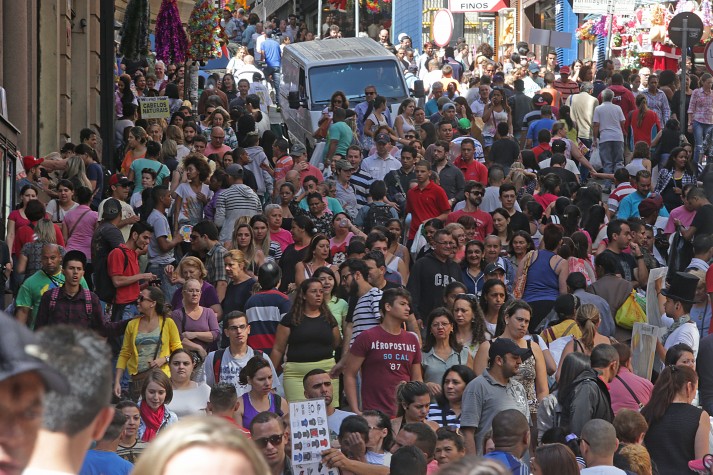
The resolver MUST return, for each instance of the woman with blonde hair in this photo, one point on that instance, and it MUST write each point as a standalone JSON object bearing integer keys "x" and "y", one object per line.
{"x": 588, "y": 320}
{"x": 29, "y": 259}
{"x": 241, "y": 283}
{"x": 220, "y": 118}
{"x": 637, "y": 457}
{"x": 135, "y": 147}
{"x": 191, "y": 267}
{"x": 262, "y": 238}
{"x": 175, "y": 133}
{"x": 76, "y": 172}
{"x": 244, "y": 242}
{"x": 197, "y": 324}
{"x": 201, "y": 445}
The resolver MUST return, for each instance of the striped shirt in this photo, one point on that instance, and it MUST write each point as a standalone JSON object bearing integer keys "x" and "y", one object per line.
{"x": 265, "y": 310}
{"x": 238, "y": 200}
{"x": 619, "y": 193}
{"x": 361, "y": 181}
{"x": 436, "y": 414}
{"x": 366, "y": 312}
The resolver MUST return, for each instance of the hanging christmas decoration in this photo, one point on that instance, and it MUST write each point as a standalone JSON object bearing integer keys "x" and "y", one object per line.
{"x": 135, "y": 30}
{"x": 171, "y": 40}
{"x": 585, "y": 33}
{"x": 204, "y": 32}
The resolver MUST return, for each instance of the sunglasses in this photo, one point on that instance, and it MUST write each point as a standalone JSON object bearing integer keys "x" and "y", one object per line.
{"x": 275, "y": 440}
{"x": 142, "y": 298}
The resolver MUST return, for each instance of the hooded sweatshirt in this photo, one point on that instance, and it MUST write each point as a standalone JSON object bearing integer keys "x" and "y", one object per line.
{"x": 588, "y": 399}
{"x": 623, "y": 97}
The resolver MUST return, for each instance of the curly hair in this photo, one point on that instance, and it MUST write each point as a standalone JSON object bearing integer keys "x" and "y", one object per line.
{"x": 200, "y": 164}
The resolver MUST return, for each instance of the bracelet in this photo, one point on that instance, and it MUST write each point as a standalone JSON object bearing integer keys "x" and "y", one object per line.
{"x": 639, "y": 257}
{"x": 168, "y": 358}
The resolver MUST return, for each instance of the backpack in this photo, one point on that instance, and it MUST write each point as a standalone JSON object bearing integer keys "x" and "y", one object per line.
{"x": 218, "y": 360}
{"x": 104, "y": 286}
{"x": 87, "y": 300}
{"x": 378, "y": 215}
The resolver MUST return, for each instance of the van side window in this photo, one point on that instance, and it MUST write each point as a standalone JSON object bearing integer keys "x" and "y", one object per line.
{"x": 303, "y": 84}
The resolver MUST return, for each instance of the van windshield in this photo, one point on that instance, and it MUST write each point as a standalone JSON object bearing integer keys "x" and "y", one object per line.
{"x": 351, "y": 78}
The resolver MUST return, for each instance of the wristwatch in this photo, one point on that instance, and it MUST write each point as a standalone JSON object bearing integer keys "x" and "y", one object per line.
{"x": 168, "y": 358}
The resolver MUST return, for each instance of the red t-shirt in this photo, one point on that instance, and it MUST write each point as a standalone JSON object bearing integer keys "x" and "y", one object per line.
{"x": 311, "y": 170}
{"x": 483, "y": 222}
{"x": 473, "y": 171}
{"x": 545, "y": 200}
{"x": 124, "y": 261}
{"x": 388, "y": 360}
{"x": 543, "y": 147}
{"x": 645, "y": 132}
{"x": 425, "y": 204}
{"x": 27, "y": 234}
{"x": 282, "y": 166}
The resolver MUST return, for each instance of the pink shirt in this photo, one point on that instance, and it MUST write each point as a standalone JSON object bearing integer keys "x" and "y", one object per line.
{"x": 681, "y": 213}
{"x": 81, "y": 221}
{"x": 209, "y": 149}
{"x": 283, "y": 237}
{"x": 621, "y": 398}
{"x": 701, "y": 106}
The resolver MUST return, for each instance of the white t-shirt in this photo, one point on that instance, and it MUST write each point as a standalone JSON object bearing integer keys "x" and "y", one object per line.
{"x": 230, "y": 368}
{"x": 190, "y": 402}
{"x": 569, "y": 165}
{"x": 686, "y": 333}
{"x": 602, "y": 470}
{"x": 609, "y": 117}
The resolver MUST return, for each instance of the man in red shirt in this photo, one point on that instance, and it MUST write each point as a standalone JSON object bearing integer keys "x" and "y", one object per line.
{"x": 623, "y": 97}
{"x": 216, "y": 144}
{"x": 544, "y": 137}
{"x": 426, "y": 200}
{"x": 123, "y": 269}
{"x": 386, "y": 355}
{"x": 224, "y": 403}
{"x": 472, "y": 169}
{"x": 302, "y": 165}
{"x": 565, "y": 85}
{"x": 474, "y": 192}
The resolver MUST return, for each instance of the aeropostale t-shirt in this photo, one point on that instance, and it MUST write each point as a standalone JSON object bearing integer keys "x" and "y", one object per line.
{"x": 388, "y": 360}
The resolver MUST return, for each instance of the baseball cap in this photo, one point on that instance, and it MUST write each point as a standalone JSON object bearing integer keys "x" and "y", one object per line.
{"x": 650, "y": 205}
{"x": 493, "y": 267}
{"x": 533, "y": 67}
{"x": 235, "y": 170}
{"x": 447, "y": 106}
{"x": 497, "y": 77}
{"x": 402, "y": 36}
{"x": 29, "y": 162}
{"x": 344, "y": 165}
{"x": 111, "y": 209}
{"x": 383, "y": 138}
{"x": 539, "y": 100}
{"x": 564, "y": 70}
{"x": 503, "y": 346}
{"x": 20, "y": 353}
{"x": 298, "y": 150}
{"x": 559, "y": 146}
{"x": 119, "y": 179}
{"x": 464, "y": 124}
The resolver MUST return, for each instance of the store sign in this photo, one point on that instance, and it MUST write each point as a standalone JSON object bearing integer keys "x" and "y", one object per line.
{"x": 625, "y": 7}
{"x": 154, "y": 107}
{"x": 599, "y": 7}
{"x": 466, "y": 6}
{"x": 442, "y": 28}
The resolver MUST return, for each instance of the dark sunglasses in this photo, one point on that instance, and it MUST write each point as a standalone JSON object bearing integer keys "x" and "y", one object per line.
{"x": 275, "y": 440}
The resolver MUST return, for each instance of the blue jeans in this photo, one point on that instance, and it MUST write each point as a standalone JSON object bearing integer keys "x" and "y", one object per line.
{"x": 276, "y": 78}
{"x": 167, "y": 287}
{"x": 584, "y": 171}
{"x": 700, "y": 131}
{"x": 612, "y": 155}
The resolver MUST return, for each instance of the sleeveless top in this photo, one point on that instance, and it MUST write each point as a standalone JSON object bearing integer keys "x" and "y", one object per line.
{"x": 496, "y": 117}
{"x": 407, "y": 126}
{"x": 249, "y": 412}
{"x": 671, "y": 439}
{"x": 542, "y": 281}
{"x": 393, "y": 264}
{"x": 526, "y": 376}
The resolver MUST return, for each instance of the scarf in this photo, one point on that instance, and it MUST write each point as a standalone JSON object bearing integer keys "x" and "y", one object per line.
{"x": 684, "y": 319}
{"x": 152, "y": 420}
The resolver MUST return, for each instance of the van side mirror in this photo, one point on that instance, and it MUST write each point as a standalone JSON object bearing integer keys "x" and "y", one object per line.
{"x": 293, "y": 99}
{"x": 418, "y": 90}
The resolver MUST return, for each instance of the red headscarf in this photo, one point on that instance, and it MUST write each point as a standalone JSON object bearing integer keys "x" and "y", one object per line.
{"x": 152, "y": 420}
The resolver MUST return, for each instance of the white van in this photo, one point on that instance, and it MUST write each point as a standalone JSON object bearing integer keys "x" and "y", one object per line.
{"x": 313, "y": 70}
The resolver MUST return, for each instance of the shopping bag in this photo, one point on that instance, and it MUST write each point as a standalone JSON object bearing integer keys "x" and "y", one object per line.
{"x": 630, "y": 312}
{"x": 595, "y": 160}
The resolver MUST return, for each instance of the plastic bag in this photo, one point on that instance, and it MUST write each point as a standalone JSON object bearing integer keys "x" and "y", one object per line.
{"x": 630, "y": 312}
{"x": 595, "y": 160}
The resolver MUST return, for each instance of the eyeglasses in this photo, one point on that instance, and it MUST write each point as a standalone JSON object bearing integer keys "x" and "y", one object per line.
{"x": 581, "y": 439}
{"x": 241, "y": 328}
{"x": 440, "y": 325}
{"x": 275, "y": 440}
{"x": 142, "y": 298}
{"x": 409, "y": 136}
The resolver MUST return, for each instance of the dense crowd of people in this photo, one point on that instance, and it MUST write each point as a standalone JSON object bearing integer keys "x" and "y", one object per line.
{"x": 459, "y": 281}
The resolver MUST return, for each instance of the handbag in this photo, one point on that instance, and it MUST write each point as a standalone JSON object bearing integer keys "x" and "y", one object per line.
{"x": 321, "y": 132}
{"x": 630, "y": 312}
{"x": 595, "y": 160}
{"x": 138, "y": 379}
{"x": 519, "y": 287}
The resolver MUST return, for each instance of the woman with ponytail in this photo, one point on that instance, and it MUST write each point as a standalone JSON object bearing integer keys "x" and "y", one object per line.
{"x": 643, "y": 124}
{"x": 588, "y": 321}
{"x": 678, "y": 431}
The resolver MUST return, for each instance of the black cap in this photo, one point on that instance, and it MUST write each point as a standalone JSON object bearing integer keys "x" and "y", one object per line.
{"x": 111, "y": 209}
{"x": 20, "y": 353}
{"x": 503, "y": 346}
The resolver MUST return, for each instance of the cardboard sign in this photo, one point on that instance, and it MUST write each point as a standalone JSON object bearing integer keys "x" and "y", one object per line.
{"x": 310, "y": 436}
{"x": 643, "y": 348}
{"x": 154, "y": 107}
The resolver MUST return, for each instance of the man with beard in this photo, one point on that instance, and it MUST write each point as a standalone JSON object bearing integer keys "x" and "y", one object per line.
{"x": 426, "y": 200}
{"x": 318, "y": 384}
{"x": 492, "y": 392}
{"x": 474, "y": 192}
{"x": 432, "y": 273}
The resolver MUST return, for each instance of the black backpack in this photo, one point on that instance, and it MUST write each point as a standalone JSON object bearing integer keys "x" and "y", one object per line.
{"x": 103, "y": 285}
{"x": 378, "y": 215}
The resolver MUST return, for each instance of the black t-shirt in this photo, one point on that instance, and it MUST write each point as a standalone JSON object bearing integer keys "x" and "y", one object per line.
{"x": 312, "y": 340}
{"x": 288, "y": 262}
{"x": 565, "y": 175}
{"x": 519, "y": 222}
{"x": 703, "y": 220}
{"x": 627, "y": 264}
{"x": 504, "y": 152}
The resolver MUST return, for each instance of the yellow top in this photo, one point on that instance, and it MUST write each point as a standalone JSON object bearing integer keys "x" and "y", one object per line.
{"x": 129, "y": 355}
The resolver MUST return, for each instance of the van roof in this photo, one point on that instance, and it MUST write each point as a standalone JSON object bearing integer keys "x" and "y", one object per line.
{"x": 338, "y": 49}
